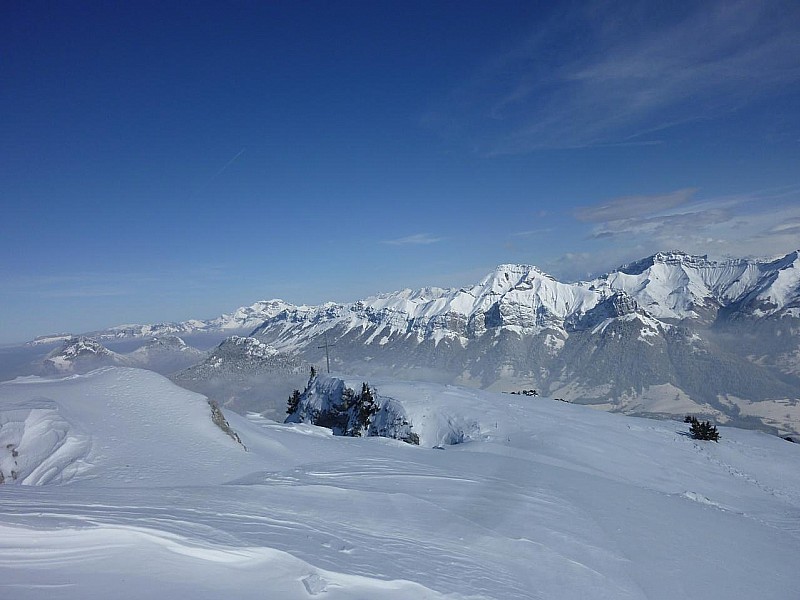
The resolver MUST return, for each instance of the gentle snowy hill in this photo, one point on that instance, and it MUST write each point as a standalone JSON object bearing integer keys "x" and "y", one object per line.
{"x": 530, "y": 498}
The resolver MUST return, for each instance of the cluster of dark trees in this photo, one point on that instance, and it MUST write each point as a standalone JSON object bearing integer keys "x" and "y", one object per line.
{"x": 351, "y": 415}
{"x": 358, "y": 409}
{"x": 702, "y": 430}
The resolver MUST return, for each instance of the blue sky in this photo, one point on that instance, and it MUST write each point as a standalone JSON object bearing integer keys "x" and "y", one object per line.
{"x": 164, "y": 161}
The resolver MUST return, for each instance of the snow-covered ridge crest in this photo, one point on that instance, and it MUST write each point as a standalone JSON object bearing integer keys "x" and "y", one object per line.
{"x": 244, "y": 318}
{"x": 671, "y": 286}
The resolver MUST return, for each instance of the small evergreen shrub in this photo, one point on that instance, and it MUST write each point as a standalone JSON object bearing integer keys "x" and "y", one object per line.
{"x": 702, "y": 430}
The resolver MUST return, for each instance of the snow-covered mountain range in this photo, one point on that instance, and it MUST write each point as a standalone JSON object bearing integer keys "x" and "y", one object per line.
{"x": 81, "y": 354}
{"x": 244, "y": 318}
{"x": 668, "y": 334}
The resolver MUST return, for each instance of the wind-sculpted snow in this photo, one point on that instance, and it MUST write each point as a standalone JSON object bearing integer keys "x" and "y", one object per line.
{"x": 540, "y": 499}
{"x": 118, "y": 425}
{"x": 39, "y": 446}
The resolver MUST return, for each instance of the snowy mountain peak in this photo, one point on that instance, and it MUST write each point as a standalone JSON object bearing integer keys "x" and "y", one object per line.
{"x": 78, "y": 346}
{"x": 248, "y": 346}
{"x": 80, "y": 354}
{"x": 171, "y": 342}
{"x": 673, "y": 257}
{"x": 507, "y": 276}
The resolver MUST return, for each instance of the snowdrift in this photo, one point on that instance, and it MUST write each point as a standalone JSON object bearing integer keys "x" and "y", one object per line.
{"x": 114, "y": 425}
{"x": 538, "y": 499}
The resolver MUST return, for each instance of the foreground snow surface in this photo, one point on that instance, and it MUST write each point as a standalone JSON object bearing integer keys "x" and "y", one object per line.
{"x": 129, "y": 491}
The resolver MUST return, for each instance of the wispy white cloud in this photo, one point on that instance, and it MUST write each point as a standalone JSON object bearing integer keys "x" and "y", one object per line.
{"x": 619, "y": 72}
{"x": 761, "y": 223}
{"x": 533, "y": 232}
{"x": 418, "y": 239}
{"x": 633, "y": 206}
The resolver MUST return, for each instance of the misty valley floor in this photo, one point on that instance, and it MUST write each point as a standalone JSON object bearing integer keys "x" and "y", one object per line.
{"x": 143, "y": 498}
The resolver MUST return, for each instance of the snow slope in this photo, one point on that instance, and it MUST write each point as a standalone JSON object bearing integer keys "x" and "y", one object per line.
{"x": 539, "y": 499}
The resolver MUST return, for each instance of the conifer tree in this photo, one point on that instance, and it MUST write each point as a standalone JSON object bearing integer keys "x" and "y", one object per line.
{"x": 293, "y": 403}
{"x": 367, "y": 407}
{"x": 703, "y": 430}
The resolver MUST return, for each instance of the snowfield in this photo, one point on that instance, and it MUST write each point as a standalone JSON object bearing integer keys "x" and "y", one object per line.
{"x": 122, "y": 487}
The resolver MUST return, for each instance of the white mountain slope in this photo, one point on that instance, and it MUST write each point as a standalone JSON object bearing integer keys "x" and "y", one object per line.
{"x": 677, "y": 286}
{"x": 542, "y": 499}
{"x": 671, "y": 287}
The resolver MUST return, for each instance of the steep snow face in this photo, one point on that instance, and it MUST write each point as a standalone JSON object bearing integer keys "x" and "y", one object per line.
{"x": 777, "y": 292}
{"x": 38, "y": 445}
{"x": 677, "y": 286}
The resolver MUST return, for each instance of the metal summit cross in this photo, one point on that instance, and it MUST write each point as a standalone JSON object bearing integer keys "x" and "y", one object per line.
{"x": 327, "y": 355}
